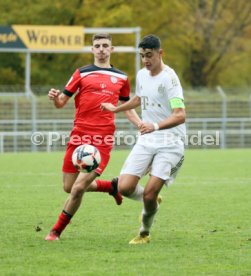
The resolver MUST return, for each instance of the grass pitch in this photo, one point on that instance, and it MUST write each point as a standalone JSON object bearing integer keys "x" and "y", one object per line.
{"x": 203, "y": 226}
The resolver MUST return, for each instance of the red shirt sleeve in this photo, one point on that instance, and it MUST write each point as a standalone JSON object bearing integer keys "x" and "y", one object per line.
{"x": 125, "y": 92}
{"x": 73, "y": 84}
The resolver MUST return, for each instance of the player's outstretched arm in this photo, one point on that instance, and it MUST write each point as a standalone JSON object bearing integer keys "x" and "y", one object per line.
{"x": 133, "y": 117}
{"x": 132, "y": 103}
{"x": 59, "y": 99}
{"x": 108, "y": 106}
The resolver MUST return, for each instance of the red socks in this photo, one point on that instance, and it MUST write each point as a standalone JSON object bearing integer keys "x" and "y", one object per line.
{"x": 63, "y": 221}
{"x": 104, "y": 186}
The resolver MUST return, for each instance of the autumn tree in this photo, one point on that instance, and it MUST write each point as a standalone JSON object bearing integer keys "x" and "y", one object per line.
{"x": 218, "y": 28}
{"x": 208, "y": 42}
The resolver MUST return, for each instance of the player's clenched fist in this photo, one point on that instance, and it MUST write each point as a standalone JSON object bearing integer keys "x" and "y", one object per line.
{"x": 146, "y": 128}
{"x": 53, "y": 93}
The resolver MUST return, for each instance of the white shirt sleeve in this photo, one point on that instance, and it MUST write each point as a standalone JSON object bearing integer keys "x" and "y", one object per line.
{"x": 137, "y": 92}
{"x": 174, "y": 87}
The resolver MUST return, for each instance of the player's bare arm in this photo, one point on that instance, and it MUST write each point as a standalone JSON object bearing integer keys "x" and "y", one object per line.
{"x": 177, "y": 117}
{"x": 132, "y": 116}
{"x": 60, "y": 99}
{"x": 132, "y": 103}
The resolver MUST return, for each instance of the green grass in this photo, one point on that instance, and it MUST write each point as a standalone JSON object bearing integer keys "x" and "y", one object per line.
{"x": 203, "y": 226}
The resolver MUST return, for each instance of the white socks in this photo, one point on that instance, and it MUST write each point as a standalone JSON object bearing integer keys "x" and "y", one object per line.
{"x": 137, "y": 194}
{"x": 147, "y": 220}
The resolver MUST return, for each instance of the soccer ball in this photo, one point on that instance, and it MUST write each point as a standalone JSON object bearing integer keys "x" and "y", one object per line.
{"x": 86, "y": 158}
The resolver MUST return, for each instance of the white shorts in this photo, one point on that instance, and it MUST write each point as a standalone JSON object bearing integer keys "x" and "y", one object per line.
{"x": 162, "y": 162}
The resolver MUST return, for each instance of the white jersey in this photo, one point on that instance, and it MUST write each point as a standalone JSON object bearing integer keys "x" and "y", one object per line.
{"x": 155, "y": 93}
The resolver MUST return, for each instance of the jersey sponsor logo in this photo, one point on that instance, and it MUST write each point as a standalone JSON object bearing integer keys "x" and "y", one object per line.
{"x": 103, "y": 90}
{"x": 114, "y": 79}
{"x": 144, "y": 102}
{"x": 102, "y": 85}
{"x": 161, "y": 89}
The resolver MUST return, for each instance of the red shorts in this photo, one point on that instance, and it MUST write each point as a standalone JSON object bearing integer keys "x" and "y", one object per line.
{"x": 104, "y": 149}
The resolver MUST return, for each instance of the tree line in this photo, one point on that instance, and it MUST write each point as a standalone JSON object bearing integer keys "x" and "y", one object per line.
{"x": 207, "y": 42}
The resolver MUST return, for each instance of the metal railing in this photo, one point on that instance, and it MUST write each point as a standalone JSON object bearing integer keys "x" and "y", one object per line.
{"x": 23, "y": 114}
{"x": 227, "y": 133}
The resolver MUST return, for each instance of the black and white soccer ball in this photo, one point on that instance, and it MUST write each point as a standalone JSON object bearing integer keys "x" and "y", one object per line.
{"x": 86, "y": 158}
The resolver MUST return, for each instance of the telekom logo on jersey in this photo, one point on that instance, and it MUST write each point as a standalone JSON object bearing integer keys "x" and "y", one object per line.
{"x": 146, "y": 103}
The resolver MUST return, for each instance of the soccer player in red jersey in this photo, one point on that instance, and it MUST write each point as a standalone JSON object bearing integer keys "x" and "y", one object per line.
{"x": 93, "y": 84}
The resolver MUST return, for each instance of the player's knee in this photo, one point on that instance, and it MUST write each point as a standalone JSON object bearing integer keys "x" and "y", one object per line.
{"x": 68, "y": 181}
{"x": 68, "y": 186}
{"x": 67, "y": 189}
{"x": 77, "y": 191}
{"x": 124, "y": 189}
{"x": 149, "y": 197}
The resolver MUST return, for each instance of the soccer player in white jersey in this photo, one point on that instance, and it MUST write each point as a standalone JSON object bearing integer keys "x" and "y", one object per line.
{"x": 160, "y": 147}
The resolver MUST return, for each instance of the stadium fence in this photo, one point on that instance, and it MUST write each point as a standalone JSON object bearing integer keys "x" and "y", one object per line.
{"x": 215, "y": 121}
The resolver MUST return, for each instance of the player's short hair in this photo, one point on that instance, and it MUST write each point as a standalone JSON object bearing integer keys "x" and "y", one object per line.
{"x": 101, "y": 36}
{"x": 150, "y": 42}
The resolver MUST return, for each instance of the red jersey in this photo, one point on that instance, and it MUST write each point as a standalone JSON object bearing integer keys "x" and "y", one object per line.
{"x": 94, "y": 85}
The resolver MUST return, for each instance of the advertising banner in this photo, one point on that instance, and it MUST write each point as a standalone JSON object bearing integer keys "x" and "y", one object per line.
{"x": 42, "y": 37}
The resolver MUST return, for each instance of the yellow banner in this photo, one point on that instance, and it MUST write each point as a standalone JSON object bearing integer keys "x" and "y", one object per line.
{"x": 51, "y": 37}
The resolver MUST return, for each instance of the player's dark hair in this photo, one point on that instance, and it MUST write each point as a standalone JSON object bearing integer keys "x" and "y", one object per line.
{"x": 150, "y": 42}
{"x": 100, "y": 36}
